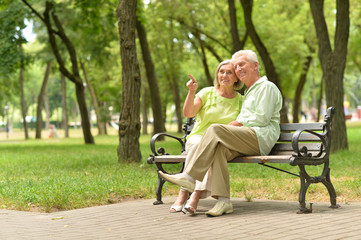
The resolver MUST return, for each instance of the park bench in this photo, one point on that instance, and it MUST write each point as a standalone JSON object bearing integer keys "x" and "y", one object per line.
{"x": 299, "y": 144}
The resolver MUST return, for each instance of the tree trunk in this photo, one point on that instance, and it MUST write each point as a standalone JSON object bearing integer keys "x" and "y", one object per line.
{"x": 39, "y": 118}
{"x": 144, "y": 111}
{"x": 271, "y": 72}
{"x": 175, "y": 83}
{"x": 129, "y": 122}
{"x": 204, "y": 59}
{"x": 177, "y": 101}
{"x": 100, "y": 123}
{"x": 172, "y": 75}
{"x": 65, "y": 108}
{"x": 319, "y": 102}
{"x": 74, "y": 114}
{"x": 47, "y": 108}
{"x": 300, "y": 85}
{"x": 237, "y": 44}
{"x": 156, "y": 103}
{"x": 105, "y": 111}
{"x": 74, "y": 74}
{"x": 22, "y": 99}
{"x": 85, "y": 123}
{"x": 333, "y": 64}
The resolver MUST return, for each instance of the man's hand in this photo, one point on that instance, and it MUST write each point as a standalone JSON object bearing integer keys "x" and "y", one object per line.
{"x": 235, "y": 123}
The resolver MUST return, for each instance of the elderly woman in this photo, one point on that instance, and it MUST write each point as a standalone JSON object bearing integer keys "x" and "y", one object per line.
{"x": 219, "y": 104}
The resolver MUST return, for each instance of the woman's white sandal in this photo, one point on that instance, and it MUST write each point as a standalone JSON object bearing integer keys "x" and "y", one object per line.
{"x": 178, "y": 208}
{"x": 191, "y": 210}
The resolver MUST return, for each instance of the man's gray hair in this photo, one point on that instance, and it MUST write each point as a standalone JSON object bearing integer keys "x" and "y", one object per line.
{"x": 250, "y": 55}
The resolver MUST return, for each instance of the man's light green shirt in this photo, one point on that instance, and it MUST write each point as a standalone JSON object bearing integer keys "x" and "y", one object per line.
{"x": 261, "y": 111}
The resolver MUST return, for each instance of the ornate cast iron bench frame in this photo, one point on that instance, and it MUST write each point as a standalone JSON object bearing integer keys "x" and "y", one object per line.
{"x": 300, "y": 144}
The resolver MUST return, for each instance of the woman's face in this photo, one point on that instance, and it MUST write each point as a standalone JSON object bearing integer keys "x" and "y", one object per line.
{"x": 227, "y": 76}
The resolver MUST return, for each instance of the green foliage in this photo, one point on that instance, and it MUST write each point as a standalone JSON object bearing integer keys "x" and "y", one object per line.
{"x": 12, "y": 57}
{"x": 11, "y": 37}
{"x": 286, "y": 29}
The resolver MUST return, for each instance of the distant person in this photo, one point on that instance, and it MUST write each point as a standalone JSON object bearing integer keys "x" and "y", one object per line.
{"x": 52, "y": 131}
{"x": 313, "y": 112}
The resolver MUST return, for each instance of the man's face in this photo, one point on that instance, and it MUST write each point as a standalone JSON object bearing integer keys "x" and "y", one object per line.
{"x": 244, "y": 68}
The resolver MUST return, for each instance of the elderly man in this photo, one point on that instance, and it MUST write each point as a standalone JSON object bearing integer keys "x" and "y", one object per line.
{"x": 254, "y": 132}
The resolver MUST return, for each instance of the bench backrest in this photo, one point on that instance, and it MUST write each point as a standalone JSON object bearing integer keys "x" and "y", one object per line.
{"x": 310, "y": 138}
{"x": 305, "y": 139}
{"x": 312, "y": 142}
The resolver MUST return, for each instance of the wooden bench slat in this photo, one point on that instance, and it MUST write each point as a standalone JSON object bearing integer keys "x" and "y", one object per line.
{"x": 289, "y": 153}
{"x": 279, "y": 147}
{"x": 287, "y": 137}
{"x": 170, "y": 158}
{"x": 279, "y": 154}
{"x": 303, "y": 126}
{"x": 262, "y": 159}
{"x": 244, "y": 159}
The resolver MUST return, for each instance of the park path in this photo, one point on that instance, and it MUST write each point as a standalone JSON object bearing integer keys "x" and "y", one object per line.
{"x": 139, "y": 219}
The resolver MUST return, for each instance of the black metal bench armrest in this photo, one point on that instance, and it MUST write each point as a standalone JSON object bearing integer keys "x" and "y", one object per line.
{"x": 187, "y": 128}
{"x": 303, "y": 151}
{"x": 301, "y": 154}
{"x": 161, "y": 150}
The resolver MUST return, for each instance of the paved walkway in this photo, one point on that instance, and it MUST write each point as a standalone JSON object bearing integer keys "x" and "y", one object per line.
{"x": 261, "y": 219}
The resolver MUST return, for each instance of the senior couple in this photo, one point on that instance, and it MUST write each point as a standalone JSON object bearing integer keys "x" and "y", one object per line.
{"x": 228, "y": 125}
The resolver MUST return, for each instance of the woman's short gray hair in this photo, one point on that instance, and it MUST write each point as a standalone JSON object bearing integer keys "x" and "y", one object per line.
{"x": 237, "y": 85}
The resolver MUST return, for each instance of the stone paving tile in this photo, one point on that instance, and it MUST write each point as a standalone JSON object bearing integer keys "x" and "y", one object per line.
{"x": 260, "y": 219}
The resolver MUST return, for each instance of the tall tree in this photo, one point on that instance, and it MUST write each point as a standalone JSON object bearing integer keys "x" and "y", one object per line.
{"x": 100, "y": 122}
{"x": 144, "y": 110}
{"x": 73, "y": 75}
{"x": 300, "y": 85}
{"x": 39, "y": 118}
{"x": 129, "y": 121}
{"x": 237, "y": 43}
{"x": 24, "y": 108}
{"x": 156, "y": 104}
{"x": 333, "y": 64}
{"x": 47, "y": 108}
{"x": 203, "y": 55}
{"x": 270, "y": 68}
{"x": 65, "y": 108}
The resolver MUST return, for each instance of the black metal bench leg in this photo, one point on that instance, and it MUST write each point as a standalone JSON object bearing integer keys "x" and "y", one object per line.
{"x": 159, "y": 191}
{"x": 331, "y": 190}
{"x": 302, "y": 197}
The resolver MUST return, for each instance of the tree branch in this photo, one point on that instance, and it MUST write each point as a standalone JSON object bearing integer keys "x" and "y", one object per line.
{"x": 181, "y": 21}
{"x": 54, "y": 46}
{"x": 324, "y": 43}
{"x": 33, "y": 10}
{"x": 70, "y": 47}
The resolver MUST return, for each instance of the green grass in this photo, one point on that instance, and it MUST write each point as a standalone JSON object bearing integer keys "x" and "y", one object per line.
{"x": 62, "y": 174}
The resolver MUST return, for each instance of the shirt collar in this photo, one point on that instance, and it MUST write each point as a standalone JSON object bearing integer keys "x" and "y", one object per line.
{"x": 259, "y": 81}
